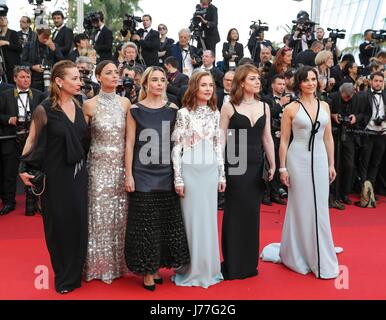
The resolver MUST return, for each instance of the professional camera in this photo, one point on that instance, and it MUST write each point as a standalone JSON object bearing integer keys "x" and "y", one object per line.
{"x": 130, "y": 24}
{"x": 379, "y": 35}
{"x": 336, "y": 34}
{"x": 303, "y": 24}
{"x": 258, "y": 27}
{"x": 378, "y": 120}
{"x": 3, "y": 10}
{"x": 198, "y": 57}
{"x": 37, "y": 2}
{"x": 46, "y": 75}
{"x": 195, "y": 23}
{"x": 85, "y": 77}
{"x": 344, "y": 120}
{"x": 90, "y": 21}
{"x": 22, "y": 126}
{"x": 126, "y": 84}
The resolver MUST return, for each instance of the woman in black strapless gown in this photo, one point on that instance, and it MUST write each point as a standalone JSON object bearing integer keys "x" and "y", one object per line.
{"x": 247, "y": 121}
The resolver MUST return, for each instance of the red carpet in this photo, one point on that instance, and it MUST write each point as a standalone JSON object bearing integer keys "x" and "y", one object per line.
{"x": 361, "y": 232}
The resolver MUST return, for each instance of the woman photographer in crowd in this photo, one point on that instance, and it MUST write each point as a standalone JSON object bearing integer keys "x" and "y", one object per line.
{"x": 56, "y": 147}
{"x": 232, "y": 51}
{"x": 165, "y": 43}
{"x": 107, "y": 199}
{"x": 155, "y": 236}
{"x": 198, "y": 174}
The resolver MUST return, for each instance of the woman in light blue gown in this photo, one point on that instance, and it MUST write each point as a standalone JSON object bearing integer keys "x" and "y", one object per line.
{"x": 198, "y": 175}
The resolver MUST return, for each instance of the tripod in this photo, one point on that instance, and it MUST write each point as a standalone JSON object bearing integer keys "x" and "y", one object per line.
{"x": 199, "y": 36}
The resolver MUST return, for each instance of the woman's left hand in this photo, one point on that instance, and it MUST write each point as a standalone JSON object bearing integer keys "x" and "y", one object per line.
{"x": 331, "y": 173}
{"x": 221, "y": 186}
{"x": 271, "y": 173}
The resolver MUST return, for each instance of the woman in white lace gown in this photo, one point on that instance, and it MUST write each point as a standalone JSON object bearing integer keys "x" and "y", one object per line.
{"x": 306, "y": 168}
{"x": 198, "y": 175}
{"x": 107, "y": 199}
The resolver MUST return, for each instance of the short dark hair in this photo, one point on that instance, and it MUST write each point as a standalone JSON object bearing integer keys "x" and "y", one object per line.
{"x": 277, "y": 76}
{"x": 378, "y": 73}
{"x": 229, "y": 34}
{"x": 79, "y": 37}
{"x": 302, "y": 74}
{"x": 57, "y": 13}
{"x": 147, "y": 15}
{"x": 367, "y": 31}
{"x": 348, "y": 57}
{"x": 101, "y": 16}
{"x": 172, "y": 61}
{"x": 27, "y": 18}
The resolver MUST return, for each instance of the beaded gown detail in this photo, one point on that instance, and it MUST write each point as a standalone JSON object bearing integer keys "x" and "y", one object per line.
{"x": 108, "y": 201}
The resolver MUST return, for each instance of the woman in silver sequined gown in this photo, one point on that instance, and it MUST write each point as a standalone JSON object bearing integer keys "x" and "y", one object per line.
{"x": 107, "y": 199}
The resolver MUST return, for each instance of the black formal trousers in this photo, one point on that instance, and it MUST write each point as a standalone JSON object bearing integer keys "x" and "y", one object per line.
{"x": 373, "y": 148}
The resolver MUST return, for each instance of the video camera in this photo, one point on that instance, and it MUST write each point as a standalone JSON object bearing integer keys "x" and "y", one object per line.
{"x": 258, "y": 27}
{"x": 37, "y": 2}
{"x": 195, "y": 23}
{"x": 336, "y": 34}
{"x": 39, "y": 13}
{"x": 85, "y": 77}
{"x": 130, "y": 24}
{"x": 3, "y": 10}
{"x": 303, "y": 24}
{"x": 379, "y": 35}
{"x": 90, "y": 21}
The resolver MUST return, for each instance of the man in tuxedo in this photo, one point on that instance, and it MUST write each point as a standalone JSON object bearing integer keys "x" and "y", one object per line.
{"x": 223, "y": 94}
{"x": 62, "y": 36}
{"x": 307, "y": 57}
{"x": 367, "y": 49}
{"x": 176, "y": 79}
{"x": 25, "y": 34}
{"x": 184, "y": 53}
{"x": 256, "y": 43}
{"x": 16, "y": 108}
{"x": 148, "y": 41}
{"x": 10, "y": 48}
{"x": 208, "y": 59}
{"x": 103, "y": 39}
{"x": 374, "y": 100}
{"x": 209, "y": 22}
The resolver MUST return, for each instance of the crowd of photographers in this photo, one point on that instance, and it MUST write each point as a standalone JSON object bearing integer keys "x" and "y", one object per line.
{"x": 354, "y": 91}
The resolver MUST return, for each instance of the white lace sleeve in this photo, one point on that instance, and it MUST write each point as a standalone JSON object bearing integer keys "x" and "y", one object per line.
{"x": 177, "y": 138}
{"x": 217, "y": 144}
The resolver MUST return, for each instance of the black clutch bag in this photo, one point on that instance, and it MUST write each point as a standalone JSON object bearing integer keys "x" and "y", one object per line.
{"x": 265, "y": 168}
{"x": 38, "y": 181}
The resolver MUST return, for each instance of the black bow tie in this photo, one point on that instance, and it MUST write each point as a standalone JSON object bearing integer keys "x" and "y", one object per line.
{"x": 226, "y": 94}
{"x": 22, "y": 92}
{"x": 377, "y": 92}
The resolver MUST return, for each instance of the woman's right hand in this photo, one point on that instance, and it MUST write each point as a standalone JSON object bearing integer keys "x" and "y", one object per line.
{"x": 129, "y": 184}
{"x": 25, "y": 177}
{"x": 284, "y": 179}
{"x": 180, "y": 191}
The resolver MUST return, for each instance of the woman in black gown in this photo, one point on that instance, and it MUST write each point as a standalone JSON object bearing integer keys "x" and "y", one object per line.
{"x": 247, "y": 122}
{"x": 57, "y": 146}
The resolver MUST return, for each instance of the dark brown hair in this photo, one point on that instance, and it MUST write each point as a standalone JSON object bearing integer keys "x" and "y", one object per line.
{"x": 302, "y": 75}
{"x": 190, "y": 98}
{"x": 237, "y": 91}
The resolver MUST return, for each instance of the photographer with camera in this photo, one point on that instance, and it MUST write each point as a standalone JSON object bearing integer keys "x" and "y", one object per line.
{"x": 148, "y": 42}
{"x": 373, "y": 144}
{"x": 40, "y": 55}
{"x": 89, "y": 88}
{"x": 62, "y": 36}
{"x": 346, "y": 113}
{"x": 330, "y": 43}
{"x": 16, "y": 108}
{"x": 337, "y": 71}
{"x": 10, "y": 47}
{"x": 256, "y": 42}
{"x": 232, "y": 51}
{"x": 126, "y": 84}
{"x": 369, "y": 48}
{"x": 25, "y": 33}
{"x": 302, "y": 33}
{"x": 130, "y": 56}
{"x": 103, "y": 38}
{"x": 187, "y": 55}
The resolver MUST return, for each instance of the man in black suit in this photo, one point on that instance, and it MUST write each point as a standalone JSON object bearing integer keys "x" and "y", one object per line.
{"x": 103, "y": 39}
{"x": 148, "y": 41}
{"x": 10, "y": 48}
{"x": 256, "y": 43}
{"x": 367, "y": 49}
{"x": 16, "y": 108}
{"x": 62, "y": 36}
{"x": 223, "y": 94}
{"x": 307, "y": 57}
{"x": 346, "y": 113}
{"x": 25, "y": 34}
{"x": 209, "y": 22}
{"x": 208, "y": 59}
{"x": 176, "y": 79}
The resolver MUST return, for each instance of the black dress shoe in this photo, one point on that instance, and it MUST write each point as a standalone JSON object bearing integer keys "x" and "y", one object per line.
{"x": 7, "y": 209}
{"x": 30, "y": 213}
{"x": 346, "y": 200}
{"x": 158, "y": 280}
{"x": 149, "y": 287}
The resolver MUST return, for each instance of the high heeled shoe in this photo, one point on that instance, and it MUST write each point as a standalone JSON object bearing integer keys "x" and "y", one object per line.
{"x": 158, "y": 280}
{"x": 150, "y": 287}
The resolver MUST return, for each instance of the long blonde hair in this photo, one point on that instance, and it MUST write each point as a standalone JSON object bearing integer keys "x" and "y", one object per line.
{"x": 58, "y": 71}
{"x": 145, "y": 81}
